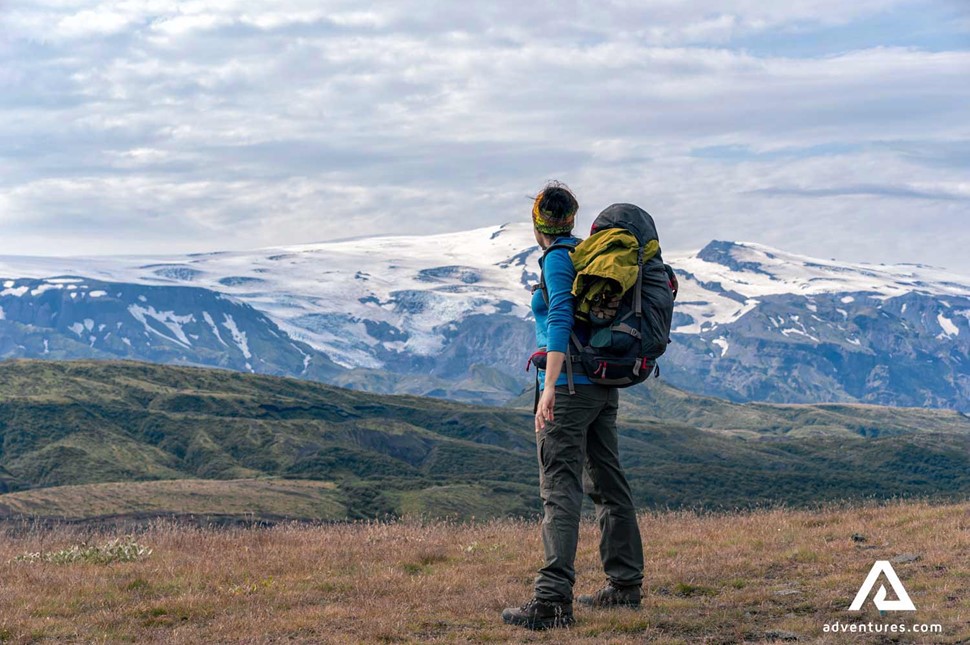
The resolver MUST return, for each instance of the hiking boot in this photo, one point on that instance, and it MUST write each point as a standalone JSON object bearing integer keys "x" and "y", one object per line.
{"x": 613, "y": 596}
{"x": 540, "y": 614}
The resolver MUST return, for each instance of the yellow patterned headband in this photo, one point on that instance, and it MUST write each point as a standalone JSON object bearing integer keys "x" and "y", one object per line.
{"x": 546, "y": 222}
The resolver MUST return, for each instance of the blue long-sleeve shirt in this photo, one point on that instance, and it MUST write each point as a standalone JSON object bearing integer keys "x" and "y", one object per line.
{"x": 554, "y": 322}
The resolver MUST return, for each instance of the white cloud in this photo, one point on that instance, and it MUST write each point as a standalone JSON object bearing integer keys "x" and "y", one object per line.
{"x": 167, "y": 125}
{"x": 91, "y": 23}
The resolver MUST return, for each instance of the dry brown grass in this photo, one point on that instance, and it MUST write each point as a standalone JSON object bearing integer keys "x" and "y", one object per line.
{"x": 259, "y": 497}
{"x": 711, "y": 579}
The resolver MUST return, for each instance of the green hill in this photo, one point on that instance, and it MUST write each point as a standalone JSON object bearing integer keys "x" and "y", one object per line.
{"x": 88, "y": 423}
{"x": 658, "y": 400}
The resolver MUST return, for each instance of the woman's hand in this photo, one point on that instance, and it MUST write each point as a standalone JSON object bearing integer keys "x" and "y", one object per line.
{"x": 554, "y": 363}
{"x": 544, "y": 411}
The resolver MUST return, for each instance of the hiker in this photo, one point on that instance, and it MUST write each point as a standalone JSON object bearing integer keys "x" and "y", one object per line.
{"x": 576, "y": 437}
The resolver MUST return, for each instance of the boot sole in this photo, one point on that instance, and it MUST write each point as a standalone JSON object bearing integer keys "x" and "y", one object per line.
{"x": 539, "y": 625}
{"x": 613, "y": 606}
{"x": 621, "y": 605}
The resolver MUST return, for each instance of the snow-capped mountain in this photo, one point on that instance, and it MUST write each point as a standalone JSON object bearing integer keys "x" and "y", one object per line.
{"x": 754, "y": 323}
{"x": 358, "y": 301}
{"x": 435, "y": 311}
{"x": 72, "y": 317}
{"x": 727, "y": 274}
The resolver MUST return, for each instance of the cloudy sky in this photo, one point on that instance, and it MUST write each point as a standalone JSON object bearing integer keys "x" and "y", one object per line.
{"x": 825, "y": 127}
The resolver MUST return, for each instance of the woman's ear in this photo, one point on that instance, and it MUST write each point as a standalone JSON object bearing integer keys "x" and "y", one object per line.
{"x": 540, "y": 238}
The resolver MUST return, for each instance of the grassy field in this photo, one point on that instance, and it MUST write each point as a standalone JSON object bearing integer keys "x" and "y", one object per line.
{"x": 109, "y": 424}
{"x": 760, "y": 576}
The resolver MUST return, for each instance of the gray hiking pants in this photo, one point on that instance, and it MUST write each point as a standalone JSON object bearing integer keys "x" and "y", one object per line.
{"x": 580, "y": 447}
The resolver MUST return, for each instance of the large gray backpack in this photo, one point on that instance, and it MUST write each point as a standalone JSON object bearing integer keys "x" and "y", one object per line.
{"x": 625, "y": 340}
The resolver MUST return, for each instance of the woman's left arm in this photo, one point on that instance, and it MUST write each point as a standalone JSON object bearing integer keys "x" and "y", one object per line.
{"x": 559, "y": 275}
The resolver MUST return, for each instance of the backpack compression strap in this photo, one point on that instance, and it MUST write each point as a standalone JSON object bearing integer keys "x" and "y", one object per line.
{"x": 638, "y": 294}
{"x": 570, "y": 358}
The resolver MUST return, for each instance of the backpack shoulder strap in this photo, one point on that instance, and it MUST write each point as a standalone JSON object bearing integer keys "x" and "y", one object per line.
{"x": 542, "y": 276}
{"x": 558, "y": 245}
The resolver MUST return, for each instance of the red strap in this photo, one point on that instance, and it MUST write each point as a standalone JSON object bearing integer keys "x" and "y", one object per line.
{"x": 528, "y": 363}
{"x": 600, "y": 369}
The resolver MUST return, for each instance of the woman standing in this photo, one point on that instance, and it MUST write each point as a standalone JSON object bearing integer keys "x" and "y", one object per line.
{"x": 576, "y": 441}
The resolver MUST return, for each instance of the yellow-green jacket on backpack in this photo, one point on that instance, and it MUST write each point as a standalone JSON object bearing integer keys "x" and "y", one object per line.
{"x": 611, "y": 253}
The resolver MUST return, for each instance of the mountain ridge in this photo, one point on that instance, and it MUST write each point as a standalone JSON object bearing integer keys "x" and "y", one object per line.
{"x": 423, "y": 314}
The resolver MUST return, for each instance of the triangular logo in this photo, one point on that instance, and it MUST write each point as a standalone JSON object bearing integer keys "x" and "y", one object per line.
{"x": 884, "y": 567}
